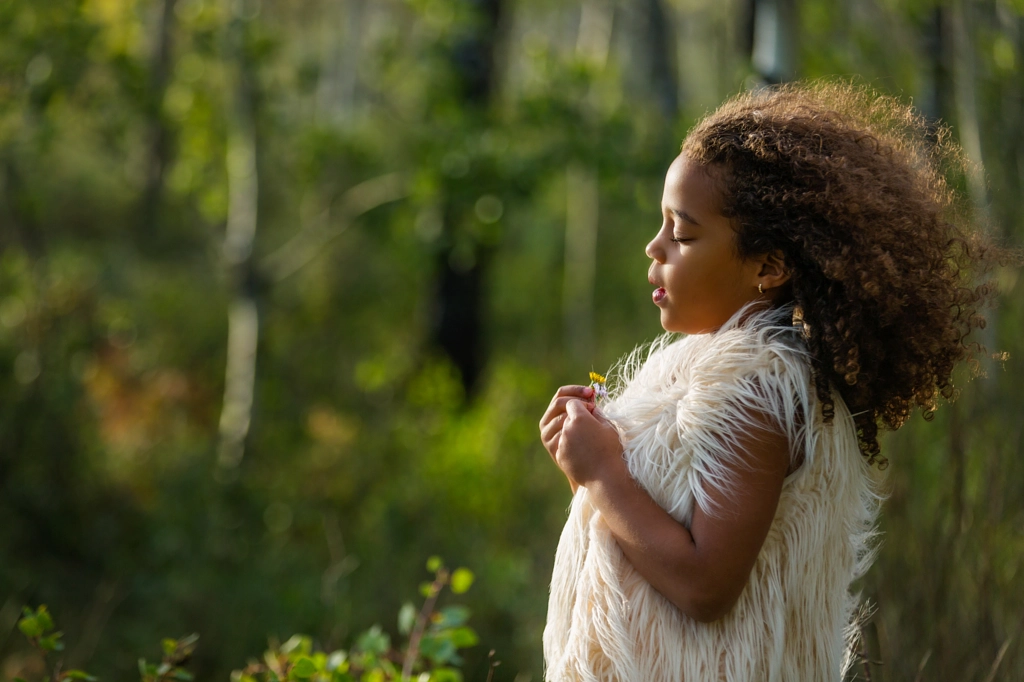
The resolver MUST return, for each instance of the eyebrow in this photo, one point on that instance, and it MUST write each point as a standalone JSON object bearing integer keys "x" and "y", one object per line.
{"x": 683, "y": 215}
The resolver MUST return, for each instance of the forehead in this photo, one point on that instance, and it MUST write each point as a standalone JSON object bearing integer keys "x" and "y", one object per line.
{"x": 699, "y": 186}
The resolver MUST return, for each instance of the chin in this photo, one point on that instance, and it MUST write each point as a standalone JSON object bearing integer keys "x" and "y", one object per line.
{"x": 673, "y": 326}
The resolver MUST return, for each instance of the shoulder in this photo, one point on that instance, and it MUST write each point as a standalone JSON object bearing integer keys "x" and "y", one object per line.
{"x": 766, "y": 336}
{"x": 753, "y": 386}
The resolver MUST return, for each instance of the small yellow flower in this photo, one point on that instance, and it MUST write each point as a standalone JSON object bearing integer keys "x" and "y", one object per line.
{"x": 597, "y": 383}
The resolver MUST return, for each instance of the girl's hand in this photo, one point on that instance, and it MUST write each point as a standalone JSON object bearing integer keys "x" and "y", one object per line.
{"x": 554, "y": 418}
{"x": 588, "y": 447}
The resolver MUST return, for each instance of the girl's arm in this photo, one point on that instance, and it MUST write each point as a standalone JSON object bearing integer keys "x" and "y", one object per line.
{"x": 703, "y": 569}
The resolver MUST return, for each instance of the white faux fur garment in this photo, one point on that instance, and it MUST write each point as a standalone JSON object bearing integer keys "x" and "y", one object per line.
{"x": 679, "y": 413}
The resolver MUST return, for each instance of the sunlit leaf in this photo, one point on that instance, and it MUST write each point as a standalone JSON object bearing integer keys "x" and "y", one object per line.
{"x": 337, "y": 661}
{"x": 43, "y": 618}
{"x": 304, "y": 668}
{"x": 29, "y": 626}
{"x": 300, "y": 644}
{"x": 462, "y": 579}
{"x": 464, "y": 637}
{"x": 406, "y": 618}
{"x": 446, "y": 675}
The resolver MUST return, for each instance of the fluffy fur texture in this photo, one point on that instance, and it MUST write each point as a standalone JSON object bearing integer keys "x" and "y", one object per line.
{"x": 679, "y": 412}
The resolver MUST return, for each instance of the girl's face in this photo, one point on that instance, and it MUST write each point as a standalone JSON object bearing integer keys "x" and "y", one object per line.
{"x": 699, "y": 278}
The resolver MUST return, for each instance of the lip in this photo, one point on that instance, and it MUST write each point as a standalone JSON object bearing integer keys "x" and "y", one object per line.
{"x": 659, "y": 295}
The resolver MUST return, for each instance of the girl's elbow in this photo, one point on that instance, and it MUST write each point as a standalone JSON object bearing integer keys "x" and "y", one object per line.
{"x": 712, "y": 613}
{"x": 708, "y": 608}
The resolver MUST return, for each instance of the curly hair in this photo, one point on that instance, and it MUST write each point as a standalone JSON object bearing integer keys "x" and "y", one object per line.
{"x": 850, "y": 187}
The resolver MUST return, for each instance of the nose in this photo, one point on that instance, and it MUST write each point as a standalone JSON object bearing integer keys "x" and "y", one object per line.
{"x": 654, "y": 250}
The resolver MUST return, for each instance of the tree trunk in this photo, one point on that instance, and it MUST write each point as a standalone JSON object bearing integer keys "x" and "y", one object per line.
{"x": 458, "y": 326}
{"x": 336, "y": 91}
{"x": 938, "y": 88}
{"x": 774, "y": 40}
{"x": 582, "y": 202}
{"x": 158, "y": 157}
{"x": 653, "y": 53}
{"x": 243, "y": 313}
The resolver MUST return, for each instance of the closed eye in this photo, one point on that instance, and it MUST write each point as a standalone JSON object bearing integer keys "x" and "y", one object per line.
{"x": 680, "y": 240}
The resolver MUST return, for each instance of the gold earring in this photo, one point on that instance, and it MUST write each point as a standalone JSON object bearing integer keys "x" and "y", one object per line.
{"x": 760, "y": 290}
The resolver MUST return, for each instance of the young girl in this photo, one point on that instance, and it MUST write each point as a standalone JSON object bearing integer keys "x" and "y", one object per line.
{"x": 724, "y": 495}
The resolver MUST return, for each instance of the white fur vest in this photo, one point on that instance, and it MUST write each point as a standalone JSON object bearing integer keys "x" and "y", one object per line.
{"x": 677, "y": 413}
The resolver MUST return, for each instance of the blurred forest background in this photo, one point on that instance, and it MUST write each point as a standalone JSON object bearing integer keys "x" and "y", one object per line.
{"x": 286, "y": 286}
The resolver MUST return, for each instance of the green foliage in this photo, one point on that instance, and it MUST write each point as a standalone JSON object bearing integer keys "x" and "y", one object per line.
{"x": 176, "y": 653}
{"x": 431, "y": 654}
{"x": 38, "y": 628}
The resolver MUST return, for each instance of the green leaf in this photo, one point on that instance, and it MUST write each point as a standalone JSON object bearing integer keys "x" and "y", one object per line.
{"x": 188, "y": 642}
{"x": 182, "y": 675}
{"x": 29, "y": 626}
{"x": 20, "y": 679}
{"x": 464, "y": 637}
{"x": 337, "y": 661}
{"x": 169, "y": 646}
{"x": 373, "y": 676}
{"x": 304, "y": 668}
{"x": 79, "y": 675}
{"x": 446, "y": 675}
{"x": 434, "y": 563}
{"x": 438, "y": 650}
{"x": 300, "y": 644}
{"x": 451, "y": 617}
{"x": 52, "y": 642}
{"x": 406, "y": 618}
{"x": 374, "y": 641}
{"x": 43, "y": 618}
{"x": 427, "y": 589}
{"x": 462, "y": 579}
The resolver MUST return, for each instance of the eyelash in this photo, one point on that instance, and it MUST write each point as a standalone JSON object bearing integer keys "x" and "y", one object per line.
{"x": 680, "y": 240}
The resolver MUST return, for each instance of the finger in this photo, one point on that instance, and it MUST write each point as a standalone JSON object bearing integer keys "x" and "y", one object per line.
{"x": 556, "y": 409}
{"x": 575, "y": 392}
{"x": 561, "y": 403}
{"x": 554, "y": 445}
{"x": 551, "y": 428}
{"x": 553, "y": 413}
{"x": 576, "y": 408}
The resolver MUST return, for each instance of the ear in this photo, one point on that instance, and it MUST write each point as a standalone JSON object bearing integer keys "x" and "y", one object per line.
{"x": 773, "y": 272}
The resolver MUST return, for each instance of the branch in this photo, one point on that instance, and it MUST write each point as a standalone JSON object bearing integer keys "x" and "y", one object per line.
{"x": 311, "y": 241}
{"x": 421, "y": 623}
